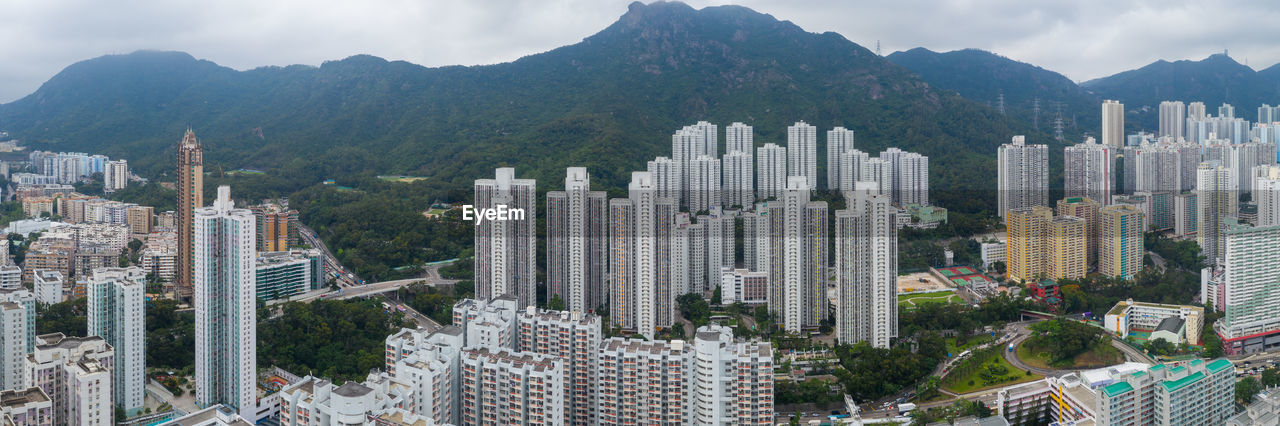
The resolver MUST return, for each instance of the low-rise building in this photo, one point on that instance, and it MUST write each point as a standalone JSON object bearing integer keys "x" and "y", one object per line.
{"x": 741, "y": 285}
{"x": 48, "y": 286}
{"x": 992, "y": 253}
{"x": 282, "y": 274}
{"x": 1129, "y": 316}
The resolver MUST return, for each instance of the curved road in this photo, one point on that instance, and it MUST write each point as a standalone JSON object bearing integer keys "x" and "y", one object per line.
{"x": 1130, "y": 353}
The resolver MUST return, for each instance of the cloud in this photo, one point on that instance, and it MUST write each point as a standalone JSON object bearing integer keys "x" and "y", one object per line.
{"x": 1082, "y": 39}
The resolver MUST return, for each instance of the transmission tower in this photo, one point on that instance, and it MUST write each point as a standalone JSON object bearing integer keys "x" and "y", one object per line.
{"x": 878, "y": 48}
{"x": 1035, "y": 113}
{"x": 1000, "y": 102}
{"x": 1057, "y": 123}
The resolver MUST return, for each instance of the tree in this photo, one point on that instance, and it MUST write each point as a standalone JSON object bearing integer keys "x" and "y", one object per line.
{"x": 1270, "y": 377}
{"x": 715, "y": 296}
{"x": 1159, "y": 347}
{"x": 556, "y": 303}
{"x": 999, "y": 266}
{"x": 1246, "y": 389}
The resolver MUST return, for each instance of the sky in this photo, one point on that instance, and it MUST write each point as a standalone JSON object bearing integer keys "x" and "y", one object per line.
{"x": 1083, "y": 39}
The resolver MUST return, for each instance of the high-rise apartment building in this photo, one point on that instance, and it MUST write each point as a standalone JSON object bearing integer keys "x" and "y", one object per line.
{"x": 116, "y": 176}
{"x": 867, "y": 269}
{"x": 771, "y": 171}
{"x": 666, "y": 177}
{"x": 1196, "y": 110}
{"x": 577, "y": 243}
{"x": 1087, "y": 209}
{"x": 643, "y": 382}
{"x": 141, "y": 219}
{"x": 839, "y": 141}
{"x": 804, "y": 256}
{"x": 277, "y": 227}
{"x": 1026, "y": 247}
{"x": 1216, "y": 198}
{"x": 1248, "y": 289}
{"x": 739, "y": 179}
{"x": 731, "y": 382}
{"x": 1089, "y": 171}
{"x": 1266, "y": 193}
{"x": 13, "y": 344}
{"x": 1120, "y": 229}
{"x": 117, "y": 313}
{"x": 1173, "y": 116}
{"x": 1184, "y": 214}
{"x": 76, "y": 375}
{"x": 1113, "y": 123}
{"x": 640, "y": 230}
{"x": 802, "y": 153}
{"x": 687, "y": 145}
{"x": 704, "y": 184}
{"x": 574, "y": 338}
{"x": 506, "y": 387}
{"x": 1066, "y": 241}
{"x": 225, "y": 302}
{"x": 190, "y": 188}
{"x": 850, "y": 164}
{"x": 1023, "y": 180}
{"x": 505, "y": 250}
{"x": 738, "y": 137}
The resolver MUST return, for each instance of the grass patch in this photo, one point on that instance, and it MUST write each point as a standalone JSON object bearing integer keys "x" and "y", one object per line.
{"x": 402, "y": 179}
{"x": 986, "y": 369}
{"x": 911, "y": 301}
{"x": 1099, "y": 357}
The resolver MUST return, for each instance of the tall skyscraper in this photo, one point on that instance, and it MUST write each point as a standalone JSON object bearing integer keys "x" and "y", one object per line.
{"x": 640, "y": 230}
{"x": 1266, "y": 193}
{"x": 910, "y": 178}
{"x": 1227, "y": 111}
{"x": 1087, "y": 209}
{"x": 666, "y": 177}
{"x": 850, "y": 165}
{"x": 802, "y": 153}
{"x": 226, "y": 306}
{"x": 804, "y": 257}
{"x": 577, "y": 243}
{"x": 839, "y": 140}
{"x": 1112, "y": 123}
{"x": 1248, "y": 287}
{"x": 1027, "y": 245}
{"x": 1066, "y": 241}
{"x": 738, "y": 137}
{"x": 1195, "y": 110}
{"x": 739, "y": 179}
{"x": 687, "y": 144}
{"x": 1215, "y": 200}
{"x": 190, "y": 186}
{"x": 13, "y": 344}
{"x": 505, "y": 249}
{"x": 117, "y": 314}
{"x": 1023, "y": 179}
{"x": 704, "y": 184}
{"x": 771, "y": 171}
{"x": 1268, "y": 114}
{"x": 1173, "y": 116}
{"x": 1120, "y": 229}
{"x": 867, "y": 269}
{"x": 1089, "y": 170}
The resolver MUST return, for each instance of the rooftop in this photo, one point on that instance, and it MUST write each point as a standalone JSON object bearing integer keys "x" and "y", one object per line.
{"x": 1174, "y": 385}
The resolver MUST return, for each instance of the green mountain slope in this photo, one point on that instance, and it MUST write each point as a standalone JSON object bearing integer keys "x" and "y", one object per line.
{"x": 983, "y": 76}
{"x": 609, "y": 102}
{"x": 1213, "y": 80}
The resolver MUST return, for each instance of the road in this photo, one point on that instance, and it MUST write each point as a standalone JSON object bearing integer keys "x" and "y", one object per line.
{"x": 343, "y": 277}
{"x": 1156, "y": 259}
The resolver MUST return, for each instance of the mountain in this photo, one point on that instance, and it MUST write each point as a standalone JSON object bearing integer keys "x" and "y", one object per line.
{"x": 983, "y": 76}
{"x": 609, "y": 103}
{"x": 1213, "y": 80}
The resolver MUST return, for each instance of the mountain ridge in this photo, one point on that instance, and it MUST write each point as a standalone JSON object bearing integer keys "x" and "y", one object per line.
{"x": 609, "y": 102}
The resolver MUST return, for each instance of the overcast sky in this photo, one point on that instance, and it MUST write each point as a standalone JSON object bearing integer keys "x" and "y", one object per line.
{"x": 1082, "y": 39}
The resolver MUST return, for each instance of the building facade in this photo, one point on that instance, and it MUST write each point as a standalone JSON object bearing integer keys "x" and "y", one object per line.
{"x": 226, "y": 306}
{"x": 505, "y": 249}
